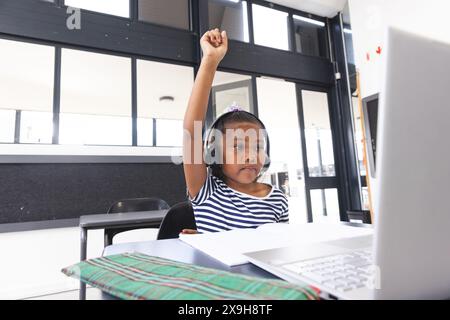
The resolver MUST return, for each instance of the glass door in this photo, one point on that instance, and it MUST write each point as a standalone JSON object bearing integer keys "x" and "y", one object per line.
{"x": 321, "y": 184}
{"x": 278, "y": 109}
{"x": 231, "y": 89}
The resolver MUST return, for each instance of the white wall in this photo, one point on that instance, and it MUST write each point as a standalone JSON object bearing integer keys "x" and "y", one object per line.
{"x": 370, "y": 18}
{"x": 369, "y": 21}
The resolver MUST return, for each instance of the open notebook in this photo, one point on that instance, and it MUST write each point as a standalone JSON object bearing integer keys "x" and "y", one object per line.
{"x": 228, "y": 246}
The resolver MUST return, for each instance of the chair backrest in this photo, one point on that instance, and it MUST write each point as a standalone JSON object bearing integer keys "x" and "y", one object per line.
{"x": 132, "y": 205}
{"x": 138, "y": 204}
{"x": 179, "y": 217}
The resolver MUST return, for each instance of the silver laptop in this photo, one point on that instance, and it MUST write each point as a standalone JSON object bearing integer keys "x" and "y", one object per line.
{"x": 409, "y": 254}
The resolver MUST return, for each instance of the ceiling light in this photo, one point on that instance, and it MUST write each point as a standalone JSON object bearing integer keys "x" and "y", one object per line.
{"x": 167, "y": 98}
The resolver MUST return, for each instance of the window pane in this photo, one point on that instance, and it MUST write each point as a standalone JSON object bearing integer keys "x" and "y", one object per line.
{"x": 145, "y": 132}
{"x": 273, "y": 34}
{"x": 7, "y": 125}
{"x": 115, "y": 7}
{"x": 310, "y": 36}
{"x": 229, "y": 16}
{"x": 348, "y": 38}
{"x": 95, "y": 96}
{"x": 163, "y": 92}
{"x": 231, "y": 89}
{"x": 97, "y": 130}
{"x": 26, "y": 77}
{"x": 169, "y": 133}
{"x": 319, "y": 143}
{"x": 175, "y": 14}
{"x": 36, "y": 127}
{"x": 325, "y": 205}
{"x": 26, "y": 83}
{"x": 286, "y": 169}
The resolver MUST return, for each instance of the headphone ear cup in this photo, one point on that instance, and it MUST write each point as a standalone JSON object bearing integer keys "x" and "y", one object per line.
{"x": 210, "y": 153}
{"x": 266, "y": 162}
{"x": 265, "y": 166}
{"x": 208, "y": 158}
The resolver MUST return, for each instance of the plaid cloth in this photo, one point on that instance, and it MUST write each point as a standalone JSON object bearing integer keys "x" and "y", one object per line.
{"x": 138, "y": 276}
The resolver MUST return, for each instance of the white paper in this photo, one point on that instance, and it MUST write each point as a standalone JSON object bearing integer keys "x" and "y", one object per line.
{"x": 228, "y": 246}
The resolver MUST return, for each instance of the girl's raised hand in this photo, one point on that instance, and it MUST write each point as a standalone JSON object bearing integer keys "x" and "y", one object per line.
{"x": 214, "y": 45}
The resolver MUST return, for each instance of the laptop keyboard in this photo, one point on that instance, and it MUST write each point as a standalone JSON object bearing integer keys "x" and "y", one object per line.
{"x": 342, "y": 272}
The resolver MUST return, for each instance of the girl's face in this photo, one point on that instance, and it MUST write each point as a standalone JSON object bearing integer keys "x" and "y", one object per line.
{"x": 243, "y": 152}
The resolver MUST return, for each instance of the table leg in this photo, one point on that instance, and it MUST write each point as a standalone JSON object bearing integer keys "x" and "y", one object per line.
{"x": 83, "y": 253}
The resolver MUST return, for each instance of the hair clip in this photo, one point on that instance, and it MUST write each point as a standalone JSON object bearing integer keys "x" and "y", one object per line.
{"x": 233, "y": 108}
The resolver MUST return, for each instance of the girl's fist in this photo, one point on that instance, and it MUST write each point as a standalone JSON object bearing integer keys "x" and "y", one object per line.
{"x": 214, "y": 45}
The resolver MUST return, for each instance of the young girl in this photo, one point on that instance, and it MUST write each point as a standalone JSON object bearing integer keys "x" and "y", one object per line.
{"x": 227, "y": 196}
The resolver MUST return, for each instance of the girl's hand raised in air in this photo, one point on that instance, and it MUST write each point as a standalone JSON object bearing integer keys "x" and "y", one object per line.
{"x": 214, "y": 45}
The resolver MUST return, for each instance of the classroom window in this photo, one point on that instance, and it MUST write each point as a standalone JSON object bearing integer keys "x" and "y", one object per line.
{"x": 286, "y": 169}
{"x": 348, "y": 39}
{"x": 163, "y": 91}
{"x": 119, "y": 8}
{"x": 96, "y": 129}
{"x": 159, "y": 12}
{"x": 26, "y": 85}
{"x": 318, "y": 136}
{"x": 95, "y": 99}
{"x": 169, "y": 133}
{"x": 229, "y": 16}
{"x": 7, "y": 125}
{"x": 145, "y": 131}
{"x": 270, "y": 27}
{"x": 325, "y": 205}
{"x": 36, "y": 127}
{"x": 231, "y": 89}
{"x": 310, "y": 36}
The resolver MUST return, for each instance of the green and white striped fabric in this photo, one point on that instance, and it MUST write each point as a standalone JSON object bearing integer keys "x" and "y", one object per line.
{"x": 136, "y": 276}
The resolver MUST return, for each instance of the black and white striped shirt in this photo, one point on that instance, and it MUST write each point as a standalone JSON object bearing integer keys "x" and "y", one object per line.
{"x": 217, "y": 207}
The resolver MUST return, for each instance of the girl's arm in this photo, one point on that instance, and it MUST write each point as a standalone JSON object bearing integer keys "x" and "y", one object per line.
{"x": 214, "y": 46}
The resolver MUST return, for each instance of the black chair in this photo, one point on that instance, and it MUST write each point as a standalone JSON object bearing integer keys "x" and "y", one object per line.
{"x": 179, "y": 217}
{"x": 360, "y": 215}
{"x": 132, "y": 205}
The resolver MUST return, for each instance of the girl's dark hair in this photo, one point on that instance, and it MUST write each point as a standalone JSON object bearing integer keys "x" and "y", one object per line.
{"x": 237, "y": 116}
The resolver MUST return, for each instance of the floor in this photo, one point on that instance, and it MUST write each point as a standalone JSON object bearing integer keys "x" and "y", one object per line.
{"x": 31, "y": 261}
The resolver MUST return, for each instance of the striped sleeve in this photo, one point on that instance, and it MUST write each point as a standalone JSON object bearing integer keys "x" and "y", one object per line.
{"x": 205, "y": 192}
{"x": 284, "y": 217}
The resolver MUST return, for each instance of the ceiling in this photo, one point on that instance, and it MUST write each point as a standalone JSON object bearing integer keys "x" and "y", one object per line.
{"x": 326, "y": 8}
